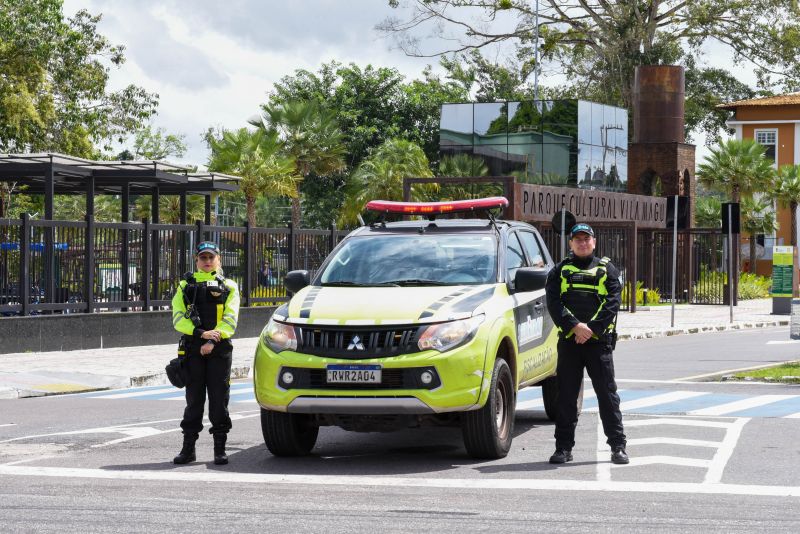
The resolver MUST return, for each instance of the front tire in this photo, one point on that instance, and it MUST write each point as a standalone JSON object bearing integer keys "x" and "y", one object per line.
{"x": 488, "y": 432}
{"x": 288, "y": 434}
{"x": 550, "y": 397}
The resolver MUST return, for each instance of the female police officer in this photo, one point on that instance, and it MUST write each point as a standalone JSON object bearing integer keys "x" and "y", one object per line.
{"x": 205, "y": 309}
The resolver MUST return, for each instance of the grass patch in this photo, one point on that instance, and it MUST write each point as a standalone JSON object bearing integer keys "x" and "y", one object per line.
{"x": 788, "y": 373}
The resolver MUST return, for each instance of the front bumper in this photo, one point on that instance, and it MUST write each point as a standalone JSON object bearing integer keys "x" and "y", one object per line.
{"x": 461, "y": 372}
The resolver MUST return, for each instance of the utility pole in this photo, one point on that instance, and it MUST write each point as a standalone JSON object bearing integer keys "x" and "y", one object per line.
{"x": 536, "y": 55}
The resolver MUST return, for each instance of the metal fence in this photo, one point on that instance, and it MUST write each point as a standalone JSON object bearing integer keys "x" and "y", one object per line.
{"x": 701, "y": 276}
{"x": 69, "y": 266}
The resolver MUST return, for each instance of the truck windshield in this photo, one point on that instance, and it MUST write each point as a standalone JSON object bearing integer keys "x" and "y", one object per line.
{"x": 429, "y": 259}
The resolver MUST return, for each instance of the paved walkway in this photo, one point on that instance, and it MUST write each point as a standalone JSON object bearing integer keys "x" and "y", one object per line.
{"x": 47, "y": 373}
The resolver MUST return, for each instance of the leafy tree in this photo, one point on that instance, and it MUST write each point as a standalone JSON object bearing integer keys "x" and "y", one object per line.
{"x": 310, "y": 135}
{"x": 708, "y": 212}
{"x": 258, "y": 159}
{"x": 157, "y": 144}
{"x": 380, "y": 176}
{"x": 758, "y": 217}
{"x": 787, "y": 192}
{"x": 736, "y": 168}
{"x": 598, "y": 45}
{"x": 373, "y": 104}
{"x": 54, "y": 82}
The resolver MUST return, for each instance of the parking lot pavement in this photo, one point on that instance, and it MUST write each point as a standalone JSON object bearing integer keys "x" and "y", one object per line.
{"x": 48, "y": 373}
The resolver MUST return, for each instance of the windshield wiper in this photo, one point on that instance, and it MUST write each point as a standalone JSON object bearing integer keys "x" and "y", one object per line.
{"x": 419, "y": 282}
{"x": 350, "y": 283}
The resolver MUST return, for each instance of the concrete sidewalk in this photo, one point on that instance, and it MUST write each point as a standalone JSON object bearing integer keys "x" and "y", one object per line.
{"x": 49, "y": 373}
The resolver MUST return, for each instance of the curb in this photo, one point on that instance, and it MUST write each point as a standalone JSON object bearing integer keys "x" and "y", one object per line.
{"x": 160, "y": 379}
{"x": 702, "y": 329}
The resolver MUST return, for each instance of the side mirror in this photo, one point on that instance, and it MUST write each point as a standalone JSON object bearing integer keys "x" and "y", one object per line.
{"x": 530, "y": 278}
{"x": 296, "y": 280}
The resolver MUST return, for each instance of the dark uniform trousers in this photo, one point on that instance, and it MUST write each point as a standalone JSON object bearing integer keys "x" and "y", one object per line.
{"x": 599, "y": 364}
{"x": 212, "y": 373}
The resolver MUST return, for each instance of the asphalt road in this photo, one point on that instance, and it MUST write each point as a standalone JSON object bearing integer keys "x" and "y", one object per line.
{"x": 706, "y": 456}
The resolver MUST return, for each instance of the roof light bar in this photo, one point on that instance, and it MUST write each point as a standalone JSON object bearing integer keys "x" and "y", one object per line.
{"x": 436, "y": 208}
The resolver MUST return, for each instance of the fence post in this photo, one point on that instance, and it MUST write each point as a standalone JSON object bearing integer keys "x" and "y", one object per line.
{"x": 25, "y": 263}
{"x": 200, "y": 230}
{"x": 292, "y": 239}
{"x": 248, "y": 263}
{"x": 88, "y": 290}
{"x": 332, "y": 238}
{"x": 145, "y": 291}
{"x": 633, "y": 265}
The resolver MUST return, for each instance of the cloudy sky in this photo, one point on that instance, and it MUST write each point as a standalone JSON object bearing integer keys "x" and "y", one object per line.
{"x": 213, "y": 61}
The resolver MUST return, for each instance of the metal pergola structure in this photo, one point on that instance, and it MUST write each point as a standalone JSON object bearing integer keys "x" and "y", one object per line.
{"x": 50, "y": 174}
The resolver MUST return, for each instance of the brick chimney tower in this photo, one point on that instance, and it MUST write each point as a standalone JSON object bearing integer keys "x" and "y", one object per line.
{"x": 660, "y": 162}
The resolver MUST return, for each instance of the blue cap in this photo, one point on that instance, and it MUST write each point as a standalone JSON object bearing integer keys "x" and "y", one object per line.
{"x": 581, "y": 227}
{"x": 207, "y": 246}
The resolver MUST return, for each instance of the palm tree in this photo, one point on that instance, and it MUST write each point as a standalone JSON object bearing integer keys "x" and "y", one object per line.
{"x": 708, "y": 212}
{"x": 464, "y": 166}
{"x": 758, "y": 217}
{"x": 736, "y": 168}
{"x": 256, "y": 157}
{"x": 787, "y": 192}
{"x": 380, "y": 176}
{"x": 311, "y": 136}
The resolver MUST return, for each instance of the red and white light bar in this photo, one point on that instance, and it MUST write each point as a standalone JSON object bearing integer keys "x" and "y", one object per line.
{"x": 436, "y": 208}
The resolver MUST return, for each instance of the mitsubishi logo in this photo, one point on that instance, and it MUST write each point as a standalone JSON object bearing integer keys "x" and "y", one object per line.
{"x": 355, "y": 344}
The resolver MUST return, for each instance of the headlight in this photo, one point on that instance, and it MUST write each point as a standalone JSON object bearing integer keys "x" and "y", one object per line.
{"x": 279, "y": 336}
{"x": 445, "y": 336}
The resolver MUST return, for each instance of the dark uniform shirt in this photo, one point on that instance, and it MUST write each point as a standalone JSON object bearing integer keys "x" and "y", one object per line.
{"x": 608, "y": 305}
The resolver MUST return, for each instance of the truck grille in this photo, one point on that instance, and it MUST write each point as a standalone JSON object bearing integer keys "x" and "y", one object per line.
{"x": 358, "y": 343}
{"x": 407, "y": 378}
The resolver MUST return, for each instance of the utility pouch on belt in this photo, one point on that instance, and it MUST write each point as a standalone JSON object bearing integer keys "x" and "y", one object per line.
{"x": 178, "y": 368}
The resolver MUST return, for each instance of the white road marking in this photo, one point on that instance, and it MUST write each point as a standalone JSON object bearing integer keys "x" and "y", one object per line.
{"x": 784, "y": 342}
{"x": 675, "y": 441}
{"x": 663, "y": 398}
{"x": 141, "y": 393}
{"x": 9, "y": 424}
{"x": 537, "y": 404}
{"x": 725, "y": 451}
{"x": 739, "y": 405}
{"x": 410, "y": 482}
{"x": 673, "y": 420}
{"x": 793, "y": 416}
{"x": 715, "y": 466}
{"x": 686, "y": 381}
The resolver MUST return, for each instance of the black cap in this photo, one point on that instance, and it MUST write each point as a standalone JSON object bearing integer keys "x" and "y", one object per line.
{"x": 207, "y": 246}
{"x": 581, "y": 227}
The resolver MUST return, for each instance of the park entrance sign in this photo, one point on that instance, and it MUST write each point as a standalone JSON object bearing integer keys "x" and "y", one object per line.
{"x": 541, "y": 202}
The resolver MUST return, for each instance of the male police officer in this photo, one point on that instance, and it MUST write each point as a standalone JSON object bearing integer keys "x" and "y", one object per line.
{"x": 583, "y": 297}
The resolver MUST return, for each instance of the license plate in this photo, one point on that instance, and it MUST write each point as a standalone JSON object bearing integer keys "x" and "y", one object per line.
{"x": 354, "y": 374}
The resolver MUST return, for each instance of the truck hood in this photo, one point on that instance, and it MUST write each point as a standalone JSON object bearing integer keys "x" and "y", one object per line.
{"x": 383, "y": 305}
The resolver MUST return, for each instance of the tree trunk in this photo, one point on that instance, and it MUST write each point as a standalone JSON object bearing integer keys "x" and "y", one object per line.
{"x": 793, "y": 209}
{"x": 752, "y": 253}
{"x": 251, "y": 210}
{"x": 296, "y": 211}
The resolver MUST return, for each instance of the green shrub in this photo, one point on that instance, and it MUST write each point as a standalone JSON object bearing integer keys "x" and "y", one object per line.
{"x": 653, "y": 295}
{"x": 709, "y": 287}
{"x": 752, "y": 286}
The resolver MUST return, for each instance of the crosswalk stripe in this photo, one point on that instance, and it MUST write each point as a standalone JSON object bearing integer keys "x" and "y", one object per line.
{"x": 793, "y": 416}
{"x": 675, "y": 441}
{"x": 655, "y": 400}
{"x": 538, "y": 404}
{"x": 743, "y": 404}
{"x": 133, "y": 394}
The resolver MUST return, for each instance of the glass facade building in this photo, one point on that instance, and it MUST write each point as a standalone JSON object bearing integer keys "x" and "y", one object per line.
{"x": 571, "y": 143}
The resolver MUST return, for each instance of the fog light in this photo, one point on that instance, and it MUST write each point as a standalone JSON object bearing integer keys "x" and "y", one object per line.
{"x": 426, "y": 377}
{"x": 287, "y": 377}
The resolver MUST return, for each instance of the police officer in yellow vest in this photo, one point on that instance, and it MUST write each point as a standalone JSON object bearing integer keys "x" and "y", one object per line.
{"x": 583, "y": 298}
{"x": 205, "y": 309}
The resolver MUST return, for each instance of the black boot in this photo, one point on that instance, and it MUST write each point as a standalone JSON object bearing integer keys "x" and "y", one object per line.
{"x": 561, "y": 456}
{"x": 619, "y": 456}
{"x": 220, "y": 458}
{"x": 187, "y": 452}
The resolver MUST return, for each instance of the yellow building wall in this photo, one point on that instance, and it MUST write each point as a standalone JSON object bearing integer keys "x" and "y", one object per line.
{"x": 785, "y": 156}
